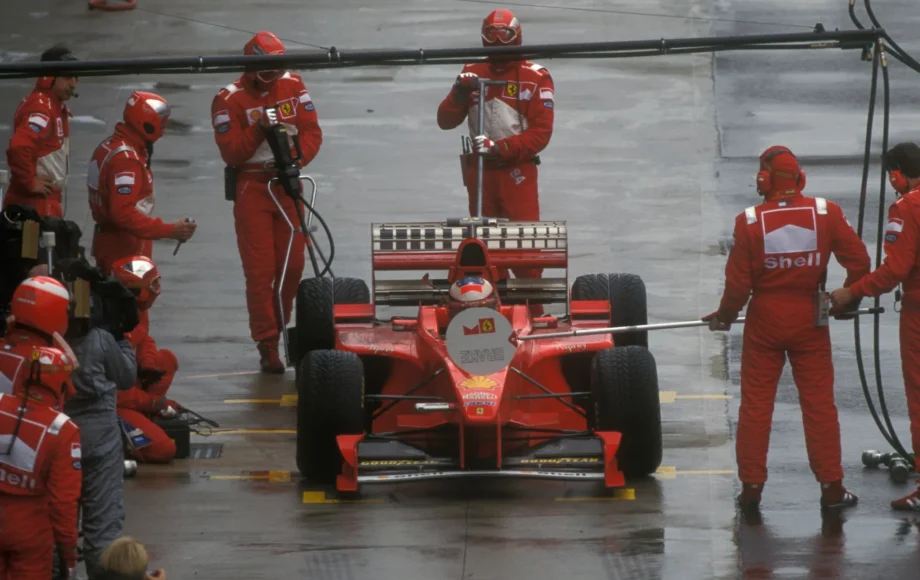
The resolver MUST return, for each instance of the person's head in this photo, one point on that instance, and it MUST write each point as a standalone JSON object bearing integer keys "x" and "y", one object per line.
{"x": 63, "y": 87}
{"x": 780, "y": 174}
{"x": 139, "y": 274}
{"x": 500, "y": 28}
{"x": 42, "y": 304}
{"x": 903, "y": 165}
{"x": 471, "y": 292}
{"x": 147, "y": 114}
{"x": 47, "y": 374}
{"x": 264, "y": 43}
{"x": 124, "y": 559}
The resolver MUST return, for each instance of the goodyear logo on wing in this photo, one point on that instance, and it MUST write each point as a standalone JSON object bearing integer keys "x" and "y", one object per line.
{"x": 485, "y": 326}
{"x": 392, "y": 462}
{"x": 557, "y": 460}
{"x": 478, "y": 382}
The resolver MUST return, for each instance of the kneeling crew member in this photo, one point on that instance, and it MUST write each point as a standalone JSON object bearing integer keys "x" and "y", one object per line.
{"x": 780, "y": 254}
{"x": 901, "y": 266}
{"x": 40, "y": 453}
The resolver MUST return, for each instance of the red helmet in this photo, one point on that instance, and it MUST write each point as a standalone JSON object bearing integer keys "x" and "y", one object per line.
{"x": 140, "y": 275}
{"x": 42, "y": 303}
{"x": 501, "y": 28}
{"x": 261, "y": 44}
{"x": 50, "y": 368}
{"x": 147, "y": 114}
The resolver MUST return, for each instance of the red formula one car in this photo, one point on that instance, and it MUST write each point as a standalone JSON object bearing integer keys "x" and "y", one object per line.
{"x": 445, "y": 392}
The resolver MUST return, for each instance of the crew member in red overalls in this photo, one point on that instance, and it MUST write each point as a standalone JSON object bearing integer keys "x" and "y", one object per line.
{"x": 901, "y": 266}
{"x": 40, "y": 454}
{"x": 517, "y": 126}
{"x": 139, "y": 405}
{"x": 780, "y": 255}
{"x": 39, "y": 151}
{"x": 120, "y": 183}
{"x": 239, "y": 119}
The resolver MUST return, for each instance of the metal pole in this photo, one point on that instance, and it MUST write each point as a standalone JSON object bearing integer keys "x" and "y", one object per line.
{"x": 658, "y": 326}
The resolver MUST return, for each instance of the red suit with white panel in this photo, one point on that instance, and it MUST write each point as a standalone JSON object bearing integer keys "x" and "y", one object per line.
{"x": 121, "y": 187}
{"x": 40, "y": 145}
{"x": 40, "y": 453}
{"x": 262, "y": 232}
{"x": 779, "y": 260}
{"x": 517, "y": 126}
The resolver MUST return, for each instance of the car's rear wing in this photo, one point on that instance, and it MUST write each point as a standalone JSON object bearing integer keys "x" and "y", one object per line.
{"x": 434, "y": 246}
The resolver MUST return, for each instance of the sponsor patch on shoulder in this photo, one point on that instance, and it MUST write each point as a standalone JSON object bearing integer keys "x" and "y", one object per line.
{"x": 221, "y": 117}
{"x": 77, "y": 465}
{"x": 547, "y": 94}
{"x": 124, "y": 178}
{"x": 895, "y": 225}
{"x": 309, "y": 106}
{"x": 548, "y": 104}
{"x": 39, "y": 119}
{"x": 124, "y": 190}
{"x": 35, "y": 127}
{"x": 223, "y": 128}
{"x": 891, "y": 237}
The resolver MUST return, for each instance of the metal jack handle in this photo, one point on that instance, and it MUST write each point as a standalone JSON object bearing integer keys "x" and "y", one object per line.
{"x": 484, "y": 85}
{"x": 661, "y": 326}
{"x": 287, "y": 256}
{"x": 48, "y": 240}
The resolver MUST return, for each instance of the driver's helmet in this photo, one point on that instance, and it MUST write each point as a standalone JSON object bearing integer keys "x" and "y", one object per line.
{"x": 471, "y": 292}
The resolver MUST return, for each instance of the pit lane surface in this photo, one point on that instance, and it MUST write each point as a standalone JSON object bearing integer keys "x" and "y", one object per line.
{"x": 650, "y": 161}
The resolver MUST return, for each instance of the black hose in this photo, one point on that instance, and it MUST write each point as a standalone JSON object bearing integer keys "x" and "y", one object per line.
{"x": 327, "y": 262}
{"x": 896, "y": 49}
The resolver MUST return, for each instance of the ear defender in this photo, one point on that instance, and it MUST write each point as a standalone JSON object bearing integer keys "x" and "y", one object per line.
{"x": 898, "y": 181}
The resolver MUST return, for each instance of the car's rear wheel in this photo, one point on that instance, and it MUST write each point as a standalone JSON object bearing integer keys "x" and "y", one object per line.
{"x": 330, "y": 403}
{"x": 624, "y": 386}
{"x": 628, "y": 302}
{"x": 314, "y": 317}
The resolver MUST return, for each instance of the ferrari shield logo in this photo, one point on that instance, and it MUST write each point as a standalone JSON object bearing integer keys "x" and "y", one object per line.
{"x": 486, "y": 325}
{"x": 286, "y": 109}
{"x": 511, "y": 89}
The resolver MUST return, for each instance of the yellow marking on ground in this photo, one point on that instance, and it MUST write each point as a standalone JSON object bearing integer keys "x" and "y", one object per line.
{"x": 671, "y": 472}
{"x": 254, "y": 432}
{"x": 672, "y": 396}
{"x": 252, "y": 401}
{"x": 618, "y": 494}
{"x": 288, "y": 400}
{"x": 271, "y": 477}
{"x": 217, "y": 375}
{"x": 320, "y": 497}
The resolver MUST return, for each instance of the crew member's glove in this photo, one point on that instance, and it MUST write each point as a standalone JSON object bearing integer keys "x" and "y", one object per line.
{"x": 68, "y": 555}
{"x": 467, "y": 82}
{"x": 718, "y": 321}
{"x": 484, "y": 146}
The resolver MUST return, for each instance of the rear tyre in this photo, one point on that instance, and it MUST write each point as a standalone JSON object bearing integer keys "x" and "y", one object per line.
{"x": 314, "y": 318}
{"x": 624, "y": 385}
{"x": 330, "y": 403}
{"x": 628, "y": 302}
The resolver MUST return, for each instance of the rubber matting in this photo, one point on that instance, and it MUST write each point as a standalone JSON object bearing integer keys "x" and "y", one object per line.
{"x": 205, "y": 450}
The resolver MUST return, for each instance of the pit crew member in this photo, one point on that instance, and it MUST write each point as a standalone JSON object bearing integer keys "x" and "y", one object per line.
{"x": 157, "y": 367}
{"x": 120, "y": 184}
{"x": 39, "y": 151}
{"x": 240, "y": 121}
{"x": 780, "y": 255}
{"x": 107, "y": 366}
{"x": 40, "y": 452}
{"x": 517, "y": 126}
{"x": 901, "y": 266}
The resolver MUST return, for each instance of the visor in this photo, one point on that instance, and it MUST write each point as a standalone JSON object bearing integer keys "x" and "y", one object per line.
{"x": 502, "y": 34}
{"x": 162, "y": 111}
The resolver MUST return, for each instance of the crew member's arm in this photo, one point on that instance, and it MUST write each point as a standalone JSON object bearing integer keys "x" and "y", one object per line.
{"x": 137, "y": 399}
{"x": 738, "y": 274}
{"x": 120, "y": 361}
{"x": 850, "y": 251}
{"x": 236, "y": 142}
{"x": 309, "y": 133}
{"x": 124, "y": 184}
{"x": 900, "y": 254}
{"x": 453, "y": 109}
{"x": 35, "y": 122}
{"x": 65, "y": 482}
{"x": 540, "y": 117}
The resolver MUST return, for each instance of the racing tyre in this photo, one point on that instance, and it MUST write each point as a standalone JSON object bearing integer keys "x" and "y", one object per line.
{"x": 315, "y": 299}
{"x": 628, "y": 302}
{"x": 624, "y": 386}
{"x": 330, "y": 403}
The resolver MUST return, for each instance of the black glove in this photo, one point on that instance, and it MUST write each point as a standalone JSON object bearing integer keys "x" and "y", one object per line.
{"x": 149, "y": 377}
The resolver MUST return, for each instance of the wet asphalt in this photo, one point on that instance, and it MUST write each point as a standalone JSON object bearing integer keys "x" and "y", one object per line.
{"x": 650, "y": 160}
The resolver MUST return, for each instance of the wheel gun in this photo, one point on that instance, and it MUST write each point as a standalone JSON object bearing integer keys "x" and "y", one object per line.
{"x": 278, "y": 139}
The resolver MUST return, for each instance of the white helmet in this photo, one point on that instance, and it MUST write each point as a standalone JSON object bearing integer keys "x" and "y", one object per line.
{"x": 471, "y": 289}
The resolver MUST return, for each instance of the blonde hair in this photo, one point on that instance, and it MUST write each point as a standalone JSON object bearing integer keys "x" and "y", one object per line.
{"x": 126, "y": 557}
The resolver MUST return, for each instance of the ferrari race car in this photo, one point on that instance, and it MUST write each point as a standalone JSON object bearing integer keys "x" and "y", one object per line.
{"x": 449, "y": 392}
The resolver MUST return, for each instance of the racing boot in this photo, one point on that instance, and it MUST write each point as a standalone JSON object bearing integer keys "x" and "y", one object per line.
{"x": 750, "y": 495}
{"x": 271, "y": 361}
{"x": 908, "y": 503}
{"x": 834, "y": 495}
